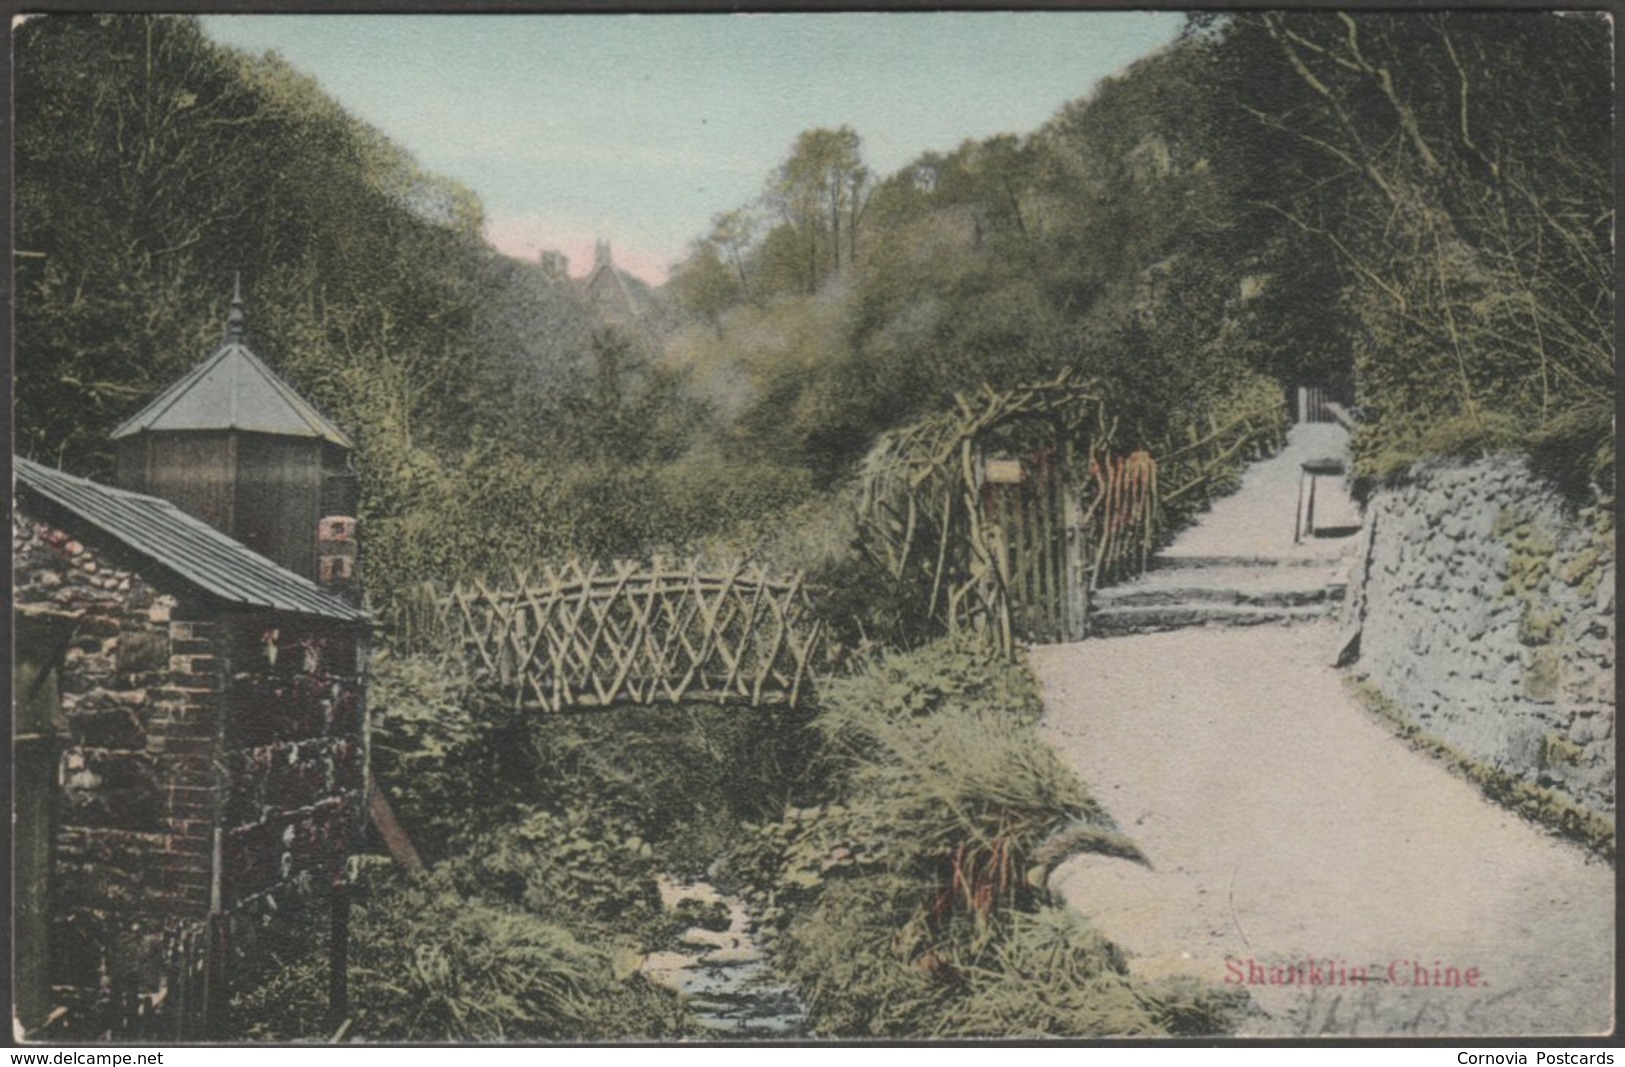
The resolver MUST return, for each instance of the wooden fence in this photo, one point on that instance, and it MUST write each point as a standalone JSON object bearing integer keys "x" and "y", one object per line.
{"x": 581, "y": 635}
{"x": 1210, "y": 462}
{"x": 1311, "y": 406}
{"x": 1005, "y": 512}
{"x": 1032, "y": 520}
{"x": 1122, "y": 515}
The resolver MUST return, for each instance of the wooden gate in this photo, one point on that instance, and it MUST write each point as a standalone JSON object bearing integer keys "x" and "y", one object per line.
{"x": 1037, "y": 527}
{"x": 1319, "y": 403}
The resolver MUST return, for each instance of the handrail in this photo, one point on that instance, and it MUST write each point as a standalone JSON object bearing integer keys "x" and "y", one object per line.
{"x": 1343, "y": 416}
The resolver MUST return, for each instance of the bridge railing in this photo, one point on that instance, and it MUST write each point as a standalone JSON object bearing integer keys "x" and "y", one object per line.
{"x": 582, "y": 635}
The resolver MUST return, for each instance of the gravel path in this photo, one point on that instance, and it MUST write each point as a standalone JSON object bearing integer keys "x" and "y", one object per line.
{"x": 1256, "y": 520}
{"x": 1292, "y": 836}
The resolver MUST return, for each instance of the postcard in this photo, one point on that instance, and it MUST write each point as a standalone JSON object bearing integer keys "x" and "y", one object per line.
{"x": 1056, "y": 526}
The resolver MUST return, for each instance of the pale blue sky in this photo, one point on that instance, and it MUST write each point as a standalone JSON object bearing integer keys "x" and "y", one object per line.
{"x": 640, "y": 128}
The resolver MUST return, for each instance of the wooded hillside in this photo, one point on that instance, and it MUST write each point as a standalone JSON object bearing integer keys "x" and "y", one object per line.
{"x": 1367, "y": 200}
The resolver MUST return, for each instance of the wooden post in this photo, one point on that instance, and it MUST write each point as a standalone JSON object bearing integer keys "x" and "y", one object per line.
{"x": 215, "y": 995}
{"x": 1297, "y": 515}
{"x": 1077, "y": 554}
{"x": 1048, "y": 557}
{"x": 38, "y": 731}
{"x": 338, "y": 958}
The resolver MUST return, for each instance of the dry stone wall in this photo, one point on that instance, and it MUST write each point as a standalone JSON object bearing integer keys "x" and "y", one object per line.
{"x": 1485, "y": 609}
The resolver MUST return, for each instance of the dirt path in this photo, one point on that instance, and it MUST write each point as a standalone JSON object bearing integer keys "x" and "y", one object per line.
{"x": 1288, "y": 830}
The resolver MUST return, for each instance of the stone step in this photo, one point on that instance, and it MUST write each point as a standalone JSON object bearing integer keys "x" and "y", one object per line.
{"x": 1172, "y": 563}
{"x": 1129, "y": 596}
{"x": 1119, "y": 621}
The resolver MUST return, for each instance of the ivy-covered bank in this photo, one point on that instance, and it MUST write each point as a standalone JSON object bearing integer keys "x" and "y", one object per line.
{"x": 1484, "y": 603}
{"x": 909, "y": 900}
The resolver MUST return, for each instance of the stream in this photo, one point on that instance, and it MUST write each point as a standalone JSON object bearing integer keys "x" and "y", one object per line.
{"x": 723, "y": 976}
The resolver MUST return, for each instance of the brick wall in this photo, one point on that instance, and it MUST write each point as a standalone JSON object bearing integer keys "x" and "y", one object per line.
{"x": 134, "y": 817}
{"x": 294, "y": 755}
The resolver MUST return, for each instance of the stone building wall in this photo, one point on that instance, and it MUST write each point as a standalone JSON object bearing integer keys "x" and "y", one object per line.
{"x": 178, "y": 721}
{"x": 134, "y": 819}
{"x": 294, "y": 761}
{"x": 1486, "y": 612}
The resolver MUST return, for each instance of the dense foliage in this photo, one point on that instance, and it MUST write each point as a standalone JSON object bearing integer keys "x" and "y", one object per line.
{"x": 1372, "y": 202}
{"x": 543, "y": 837}
{"x": 1470, "y": 220}
{"x": 1105, "y": 243}
{"x": 911, "y": 898}
{"x": 154, "y": 165}
{"x": 431, "y": 963}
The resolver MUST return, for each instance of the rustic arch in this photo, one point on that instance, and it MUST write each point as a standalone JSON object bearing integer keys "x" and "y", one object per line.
{"x": 921, "y": 511}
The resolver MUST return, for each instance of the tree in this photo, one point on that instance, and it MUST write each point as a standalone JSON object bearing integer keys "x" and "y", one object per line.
{"x": 133, "y": 137}
{"x": 152, "y": 165}
{"x": 820, "y": 189}
{"x": 731, "y": 235}
{"x": 704, "y": 286}
{"x": 1472, "y": 218}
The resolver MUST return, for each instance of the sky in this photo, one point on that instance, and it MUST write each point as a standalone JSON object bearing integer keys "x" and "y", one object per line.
{"x": 639, "y": 129}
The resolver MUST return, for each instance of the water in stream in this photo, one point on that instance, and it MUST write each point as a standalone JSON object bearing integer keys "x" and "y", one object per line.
{"x": 723, "y": 975}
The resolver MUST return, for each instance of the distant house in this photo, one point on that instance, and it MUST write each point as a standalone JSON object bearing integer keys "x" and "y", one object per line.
{"x": 555, "y": 264}
{"x": 190, "y": 713}
{"x": 614, "y": 296}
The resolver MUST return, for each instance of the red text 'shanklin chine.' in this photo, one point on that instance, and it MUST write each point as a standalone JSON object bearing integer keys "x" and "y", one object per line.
{"x": 1329, "y": 971}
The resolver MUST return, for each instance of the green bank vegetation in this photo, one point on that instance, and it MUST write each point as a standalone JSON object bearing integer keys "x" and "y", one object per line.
{"x": 542, "y": 837}
{"x": 910, "y": 900}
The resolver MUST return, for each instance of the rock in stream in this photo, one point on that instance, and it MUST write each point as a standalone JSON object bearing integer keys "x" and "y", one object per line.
{"x": 722, "y": 975}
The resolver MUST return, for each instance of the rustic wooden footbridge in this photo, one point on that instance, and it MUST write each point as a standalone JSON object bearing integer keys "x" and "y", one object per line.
{"x": 583, "y": 635}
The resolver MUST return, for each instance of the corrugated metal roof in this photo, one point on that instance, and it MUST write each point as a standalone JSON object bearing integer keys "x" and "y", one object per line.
{"x": 189, "y": 547}
{"x": 233, "y": 390}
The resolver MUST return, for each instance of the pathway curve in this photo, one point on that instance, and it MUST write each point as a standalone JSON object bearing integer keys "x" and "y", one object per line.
{"x": 1293, "y": 839}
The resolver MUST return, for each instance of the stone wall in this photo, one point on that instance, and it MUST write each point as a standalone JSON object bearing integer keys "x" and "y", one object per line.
{"x": 181, "y": 718}
{"x": 1485, "y": 610}
{"x": 134, "y": 812}
{"x": 294, "y": 762}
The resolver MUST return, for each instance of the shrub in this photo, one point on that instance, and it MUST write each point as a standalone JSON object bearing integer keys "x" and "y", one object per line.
{"x": 682, "y": 775}
{"x": 451, "y": 759}
{"x": 582, "y": 866}
{"x": 430, "y": 964}
{"x": 1054, "y": 975}
{"x": 855, "y": 970}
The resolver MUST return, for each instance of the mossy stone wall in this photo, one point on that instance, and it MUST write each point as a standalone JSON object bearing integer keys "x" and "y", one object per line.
{"x": 1485, "y": 608}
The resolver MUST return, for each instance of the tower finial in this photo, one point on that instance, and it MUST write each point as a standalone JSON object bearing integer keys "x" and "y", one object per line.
{"x": 236, "y": 319}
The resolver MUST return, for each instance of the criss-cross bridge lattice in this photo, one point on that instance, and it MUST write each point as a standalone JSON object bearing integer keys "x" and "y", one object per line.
{"x": 582, "y": 635}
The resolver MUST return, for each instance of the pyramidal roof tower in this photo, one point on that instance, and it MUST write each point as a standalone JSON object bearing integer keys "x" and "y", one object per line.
{"x": 233, "y": 390}
{"x": 233, "y": 444}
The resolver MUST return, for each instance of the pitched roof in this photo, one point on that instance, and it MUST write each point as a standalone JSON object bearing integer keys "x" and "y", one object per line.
{"x": 618, "y": 278}
{"x": 190, "y": 548}
{"x": 233, "y": 390}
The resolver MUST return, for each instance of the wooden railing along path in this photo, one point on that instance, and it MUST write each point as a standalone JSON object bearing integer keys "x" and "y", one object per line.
{"x": 580, "y": 635}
